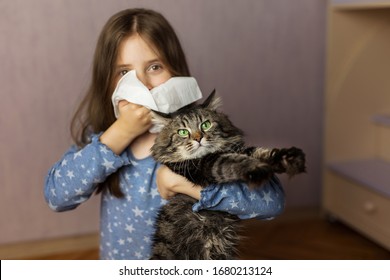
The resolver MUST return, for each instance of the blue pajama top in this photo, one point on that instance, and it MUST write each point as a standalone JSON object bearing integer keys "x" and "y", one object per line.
{"x": 126, "y": 225}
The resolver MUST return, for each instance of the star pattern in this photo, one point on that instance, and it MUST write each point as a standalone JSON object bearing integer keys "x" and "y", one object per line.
{"x": 234, "y": 204}
{"x": 138, "y": 212}
{"x": 70, "y": 174}
{"x": 108, "y": 164}
{"x": 127, "y": 224}
{"x": 130, "y": 228}
{"x": 267, "y": 197}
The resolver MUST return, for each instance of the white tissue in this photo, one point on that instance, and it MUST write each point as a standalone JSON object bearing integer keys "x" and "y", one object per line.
{"x": 166, "y": 98}
{"x": 133, "y": 90}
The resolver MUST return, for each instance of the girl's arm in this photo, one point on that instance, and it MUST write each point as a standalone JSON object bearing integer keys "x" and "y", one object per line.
{"x": 170, "y": 183}
{"x": 237, "y": 198}
{"x": 264, "y": 202}
{"x": 74, "y": 178}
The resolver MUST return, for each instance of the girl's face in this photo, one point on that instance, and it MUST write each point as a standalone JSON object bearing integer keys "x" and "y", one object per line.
{"x": 135, "y": 54}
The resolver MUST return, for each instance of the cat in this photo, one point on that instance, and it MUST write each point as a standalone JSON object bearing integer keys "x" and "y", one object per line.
{"x": 201, "y": 144}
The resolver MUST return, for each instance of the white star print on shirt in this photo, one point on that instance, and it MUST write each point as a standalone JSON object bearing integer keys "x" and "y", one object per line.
{"x": 79, "y": 191}
{"x": 70, "y": 174}
{"x": 52, "y": 206}
{"x": 80, "y": 200}
{"x": 267, "y": 197}
{"x": 234, "y": 204}
{"x": 147, "y": 239}
{"x": 134, "y": 162}
{"x": 252, "y": 196}
{"x": 76, "y": 155}
{"x": 138, "y": 212}
{"x": 104, "y": 150}
{"x": 149, "y": 222}
{"x": 142, "y": 190}
{"x": 108, "y": 164}
{"x": 253, "y": 215}
{"x": 57, "y": 174}
{"x": 154, "y": 193}
{"x": 130, "y": 228}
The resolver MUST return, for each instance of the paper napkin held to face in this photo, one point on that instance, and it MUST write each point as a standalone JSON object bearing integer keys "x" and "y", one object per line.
{"x": 166, "y": 98}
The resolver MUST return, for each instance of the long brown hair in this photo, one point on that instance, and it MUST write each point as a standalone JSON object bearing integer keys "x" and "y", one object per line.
{"x": 95, "y": 113}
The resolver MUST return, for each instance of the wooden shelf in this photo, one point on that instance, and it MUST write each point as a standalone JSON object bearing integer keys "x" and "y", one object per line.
{"x": 357, "y": 116}
{"x": 359, "y": 5}
{"x": 372, "y": 173}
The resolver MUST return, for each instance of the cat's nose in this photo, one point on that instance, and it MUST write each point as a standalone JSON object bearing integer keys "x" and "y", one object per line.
{"x": 197, "y": 136}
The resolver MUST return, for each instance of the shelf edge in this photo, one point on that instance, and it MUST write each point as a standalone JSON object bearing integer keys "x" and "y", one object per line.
{"x": 371, "y": 173}
{"x": 360, "y": 6}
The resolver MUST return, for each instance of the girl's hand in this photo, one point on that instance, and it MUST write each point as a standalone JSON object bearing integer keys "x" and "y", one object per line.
{"x": 170, "y": 183}
{"x": 133, "y": 121}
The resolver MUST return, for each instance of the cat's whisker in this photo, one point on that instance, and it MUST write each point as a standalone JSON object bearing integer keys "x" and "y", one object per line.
{"x": 187, "y": 168}
{"x": 194, "y": 165}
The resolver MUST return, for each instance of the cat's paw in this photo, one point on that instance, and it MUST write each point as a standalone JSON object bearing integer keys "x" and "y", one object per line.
{"x": 288, "y": 160}
{"x": 256, "y": 175}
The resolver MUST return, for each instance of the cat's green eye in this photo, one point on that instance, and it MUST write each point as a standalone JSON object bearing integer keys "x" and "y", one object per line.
{"x": 183, "y": 132}
{"x": 205, "y": 125}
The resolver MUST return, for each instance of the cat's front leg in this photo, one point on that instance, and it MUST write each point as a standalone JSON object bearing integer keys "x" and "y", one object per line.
{"x": 291, "y": 161}
{"x": 234, "y": 167}
{"x": 286, "y": 160}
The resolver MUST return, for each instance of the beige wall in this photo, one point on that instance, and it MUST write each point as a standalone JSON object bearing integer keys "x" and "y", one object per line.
{"x": 266, "y": 59}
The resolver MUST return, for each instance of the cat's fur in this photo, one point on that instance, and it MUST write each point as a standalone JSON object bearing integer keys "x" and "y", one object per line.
{"x": 215, "y": 154}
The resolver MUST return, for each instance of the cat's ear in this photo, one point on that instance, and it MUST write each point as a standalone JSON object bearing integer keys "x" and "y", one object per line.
{"x": 160, "y": 120}
{"x": 213, "y": 102}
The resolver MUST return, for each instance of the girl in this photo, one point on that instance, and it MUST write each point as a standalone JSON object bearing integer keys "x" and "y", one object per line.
{"x": 112, "y": 156}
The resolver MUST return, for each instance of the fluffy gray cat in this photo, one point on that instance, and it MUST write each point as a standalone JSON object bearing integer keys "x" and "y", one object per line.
{"x": 202, "y": 144}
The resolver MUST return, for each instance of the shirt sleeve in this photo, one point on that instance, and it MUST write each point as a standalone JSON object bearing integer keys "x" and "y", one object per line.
{"x": 74, "y": 178}
{"x": 238, "y": 199}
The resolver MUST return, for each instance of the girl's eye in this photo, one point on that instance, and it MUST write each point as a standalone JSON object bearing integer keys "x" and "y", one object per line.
{"x": 183, "y": 132}
{"x": 154, "y": 67}
{"x": 205, "y": 125}
{"x": 123, "y": 72}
